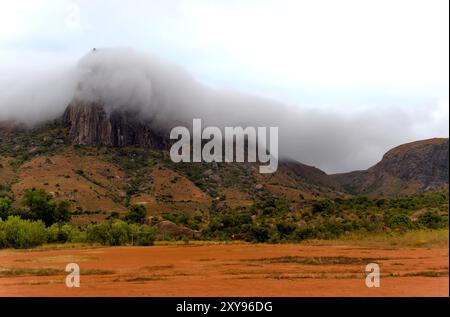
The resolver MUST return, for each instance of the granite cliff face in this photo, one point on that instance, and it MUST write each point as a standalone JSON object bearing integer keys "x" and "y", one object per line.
{"x": 409, "y": 168}
{"x": 90, "y": 124}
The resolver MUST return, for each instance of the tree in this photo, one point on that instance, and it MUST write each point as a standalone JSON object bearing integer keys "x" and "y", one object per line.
{"x": 19, "y": 233}
{"x": 136, "y": 214}
{"x": 429, "y": 219}
{"x": 42, "y": 207}
{"x": 258, "y": 234}
{"x": 400, "y": 221}
{"x": 5, "y": 207}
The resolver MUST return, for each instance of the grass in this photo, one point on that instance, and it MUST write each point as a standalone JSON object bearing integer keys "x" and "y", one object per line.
{"x": 66, "y": 245}
{"x": 96, "y": 272}
{"x": 58, "y": 259}
{"x": 326, "y": 260}
{"x": 30, "y": 271}
{"x": 415, "y": 238}
{"x": 158, "y": 267}
{"x": 196, "y": 242}
{"x": 46, "y": 271}
{"x": 140, "y": 278}
{"x": 311, "y": 276}
{"x": 427, "y": 274}
{"x": 353, "y": 276}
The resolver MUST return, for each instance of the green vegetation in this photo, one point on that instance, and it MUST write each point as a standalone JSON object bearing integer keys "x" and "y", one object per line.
{"x": 136, "y": 214}
{"x": 42, "y": 207}
{"x": 65, "y": 233}
{"x": 5, "y": 207}
{"x": 19, "y": 233}
{"x": 118, "y": 232}
{"x": 24, "y": 144}
{"x": 271, "y": 220}
{"x": 45, "y": 220}
{"x": 184, "y": 219}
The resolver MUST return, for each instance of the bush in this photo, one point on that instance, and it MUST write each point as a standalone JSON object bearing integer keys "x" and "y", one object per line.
{"x": 64, "y": 233}
{"x": 136, "y": 214}
{"x": 258, "y": 234}
{"x": 99, "y": 233}
{"x": 120, "y": 233}
{"x": 21, "y": 234}
{"x": 42, "y": 207}
{"x": 322, "y": 206}
{"x": 285, "y": 228}
{"x": 431, "y": 220}
{"x": 304, "y": 233}
{"x": 400, "y": 221}
{"x": 113, "y": 215}
{"x": 142, "y": 235}
{"x": 5, "y": 207}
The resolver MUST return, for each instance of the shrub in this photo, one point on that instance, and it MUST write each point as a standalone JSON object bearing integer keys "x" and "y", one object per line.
{"x": 99, "y": 233}
{"x": 400, "y": 221}
{"x": 118, "y": 232}
{"x": 136, "y": 214}
{"x": 285, "y": 228}
{"x": 5, "y": 207}
{"x": 65, "y": 233}
{"x": 322, "y": 206}
{"x": 304, "y": 233}
{"x": 258, "y": 234}
{"x": 19, "y": 233}
{"x": 113, "y": 215}
{"x": 42, "y": 207}
{"x": 431, "y": 220}
{"x": 142, "y": 235}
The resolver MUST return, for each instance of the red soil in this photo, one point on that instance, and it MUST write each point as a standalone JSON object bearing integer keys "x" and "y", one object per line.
{"x": 229, "y": 270}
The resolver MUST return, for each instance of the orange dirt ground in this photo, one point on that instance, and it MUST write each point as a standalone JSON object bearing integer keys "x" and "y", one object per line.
{"x": 228, "y": 270}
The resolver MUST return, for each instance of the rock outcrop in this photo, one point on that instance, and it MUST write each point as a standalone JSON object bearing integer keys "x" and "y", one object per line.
{"x": 91, "y": 124}
{"x": 406, "y": 169}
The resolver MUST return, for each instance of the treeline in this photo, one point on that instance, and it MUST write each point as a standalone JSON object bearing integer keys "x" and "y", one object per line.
{"x": 270, "y": 220}
{"x": 42, "y": 219}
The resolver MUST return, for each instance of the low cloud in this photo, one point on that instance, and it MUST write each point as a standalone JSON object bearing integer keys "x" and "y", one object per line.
{"x": 329, "y": 138}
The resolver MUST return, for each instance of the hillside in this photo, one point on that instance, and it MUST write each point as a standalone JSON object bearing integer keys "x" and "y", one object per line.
{"x": 101, "y": 180}
{"x": 224, "y": 201}
{"x": 406, "y": 169}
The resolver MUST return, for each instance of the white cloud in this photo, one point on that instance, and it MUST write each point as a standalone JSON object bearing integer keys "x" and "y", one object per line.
{"x": 352, "y": 57}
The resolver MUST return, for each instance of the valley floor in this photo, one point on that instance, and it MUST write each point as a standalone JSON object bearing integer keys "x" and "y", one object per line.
{"x": 227, "y": 270}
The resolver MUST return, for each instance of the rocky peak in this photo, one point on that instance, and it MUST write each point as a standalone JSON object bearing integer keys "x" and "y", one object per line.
{"x": 91, "y": 124}
{"x": 406, "y": 169}
{"x": 425, "y": 161}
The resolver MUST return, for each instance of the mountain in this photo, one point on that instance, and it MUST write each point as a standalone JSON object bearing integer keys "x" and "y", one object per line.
{"x": 90, "y": 124}
{"x": 406, "y": 169}
{"x": 103, "y": 160}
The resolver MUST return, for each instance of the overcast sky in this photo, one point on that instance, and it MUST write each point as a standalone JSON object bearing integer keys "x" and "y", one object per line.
{"x": 350, "y": 56}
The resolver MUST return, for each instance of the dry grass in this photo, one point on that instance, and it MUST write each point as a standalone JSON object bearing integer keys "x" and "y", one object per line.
{"x": 30, "y": 271}
{"x": 58, "y": 259}
{"x": 197, "y": 243}
{"x": 325, "y": 260}
{"x": 158, "y": 267}
{"x": 96, "y": 272}
{"x": 46, "y": 271}
{"x": 416, "y": 238}
{"x": 140, "y": 279}
{"x": 427, "y": 274}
